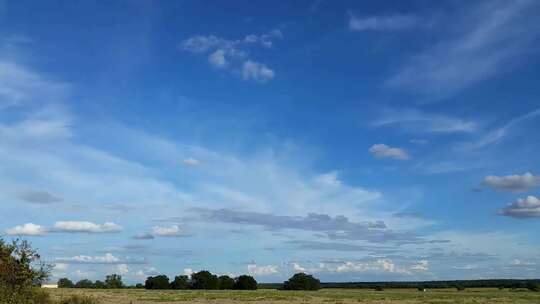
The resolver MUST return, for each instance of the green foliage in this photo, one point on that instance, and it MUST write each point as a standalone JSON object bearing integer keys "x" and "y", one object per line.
{"x": 113, "y": 281}
{"x": 459, "y": 287}
{"x": 204, "y": 280}
{"x": 180, "y": 282}
{"x": 84, "y": 284}
{"x": 77, "y": 299}
{"x": 245, "y": 282}
{"x": 226, "y": 282}
{"x": 157, "y": 282}
{"x": 379, "y": 288}
{"x": 302, "y": 281}
{"x": 533, "y": 286}
{"x": 20, "y": 270}
{"x": 100, "y": 285}
{"x": 139, "y": 286}
{"x": 65, "y": 283}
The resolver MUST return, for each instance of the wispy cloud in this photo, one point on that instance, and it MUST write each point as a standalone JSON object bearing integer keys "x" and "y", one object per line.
{"x": 396, "y": 22}
{"x": 108, "y": 258}
{"x": 492, "y": 34}
{"x": 410, "y": 120}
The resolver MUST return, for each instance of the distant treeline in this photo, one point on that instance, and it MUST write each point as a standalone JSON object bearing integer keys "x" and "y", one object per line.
{"x": 494, "y": 283}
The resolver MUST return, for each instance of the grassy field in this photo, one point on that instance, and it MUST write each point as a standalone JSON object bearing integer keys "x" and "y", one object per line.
{"x": 326, "y": 296}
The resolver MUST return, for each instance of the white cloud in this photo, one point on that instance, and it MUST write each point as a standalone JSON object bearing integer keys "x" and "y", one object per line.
{"x": 298, "y": 268}
{"x": 188, "y": 271}
{"x": 528, "y": 207}
{"x": 520, "y": 263}
{"x": 28, "y": 229}
{"x": 255, "y": 270}
{"x": 122, "y": 269}
{"x": 380, "y": 265}
{"x": 421, "y": 122}
{"x": 252, "y": 70}
{"x": 191, "y": 162}
{"x": 514, "y": 183}
{"x": 171, "y": 231}
{"x": 217, "y": 59}
{"x": 234, "y": 54}
{"x": 383, "y": 23}
{"x": 422, "y": 265}
{"x": 384, "y": 151}
{"x": 465, "y": 267}
{"x": 85, "y": 227}
{"x": 108, "y": 258}
{"x": 486, "y": 37}
{"x": 498, "y": 134}
{"x": 61, "y": 266}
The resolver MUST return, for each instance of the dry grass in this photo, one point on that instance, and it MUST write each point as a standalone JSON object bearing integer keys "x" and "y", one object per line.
{"x": 324, "y": 296}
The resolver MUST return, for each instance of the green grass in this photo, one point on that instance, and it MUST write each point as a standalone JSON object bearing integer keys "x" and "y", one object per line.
{"x": 326, "y": 296}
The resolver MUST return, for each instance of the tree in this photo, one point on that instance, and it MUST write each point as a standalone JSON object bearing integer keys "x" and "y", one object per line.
{"x": 204, "y": 280}
{"x": 459, "y": 287}
{"x": 84, "y": 284}
{"x": 180, "y": 282}
{"x": 226, "y": 282}
{"x": 100, "y": 285}
{"x": 20, "y": 270}
{"x": 139, "y": 286}
{"x": 157, "y": 282}
{"x": 113, "y": 281}
{"x": 533, "y": 286}
{"x": 245, "y": 282}
{"x": 65, "y": 283}
{"x": 302, "y": 281}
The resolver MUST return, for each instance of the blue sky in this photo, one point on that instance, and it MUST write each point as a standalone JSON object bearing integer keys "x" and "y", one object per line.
{"x": 351, "y": 140}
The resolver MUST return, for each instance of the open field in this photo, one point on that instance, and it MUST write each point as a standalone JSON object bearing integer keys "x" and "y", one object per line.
{"x": 326, "y": 296}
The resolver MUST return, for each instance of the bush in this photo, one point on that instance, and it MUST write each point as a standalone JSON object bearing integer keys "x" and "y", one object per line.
{"x": 302, "y": 281}
{"x": 533, "y": 286}
{"x": 204, "y": 280}
{"x": 245, "y": 282}
{"x": 65, "y": 283}
{"x": 459, "y": 288}
{"x": 379, "y": 288}
{"x": 180, "y": 282}
{"x": 157, "y": 282}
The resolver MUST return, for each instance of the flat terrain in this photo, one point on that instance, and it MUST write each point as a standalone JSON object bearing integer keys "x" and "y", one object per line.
{"x": 326, "y": 296}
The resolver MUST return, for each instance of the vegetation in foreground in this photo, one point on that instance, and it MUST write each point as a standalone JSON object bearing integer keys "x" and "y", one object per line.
{"x": 323, "y": 296}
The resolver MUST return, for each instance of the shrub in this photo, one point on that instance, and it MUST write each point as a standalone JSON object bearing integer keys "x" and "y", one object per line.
{"x": 204, "y": 280}
{"x": 100, "y": 285}
{"x": 180, "y": 282}
{"x": 157, "y": 282}
{"x": 302, "y": 281}
{"x": 533, "y": 286}
{"x": 459, "y": 288}
{"x": 245, "y": 282}
{"x": 379, "y": 288}
{"x": 65, "y": 283}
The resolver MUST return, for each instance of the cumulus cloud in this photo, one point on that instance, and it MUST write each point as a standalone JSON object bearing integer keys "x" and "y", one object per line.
{"x": 188, "y": 271}
{"x": 395, "y": 22}
{"x": 171, "y": 231}
{"x": 255, "y": 270}
{"x": 513, "y": 183}
{"x": 38, "y": 197}
{"x": 217, "y": 59}
{"x": 422, "y": 265}
{"x": 108, "y": 258}
{"x": 297, "y": 268}
{"x": 252, "y": 70}
{"x": 234, "y": 55}
{"x": 528, "y": 207}
{"x": 384, "y": 151}
{"x": 28, "y": 229}
{"x": 380, "y": 265}
{"x": 86, "y": 227}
